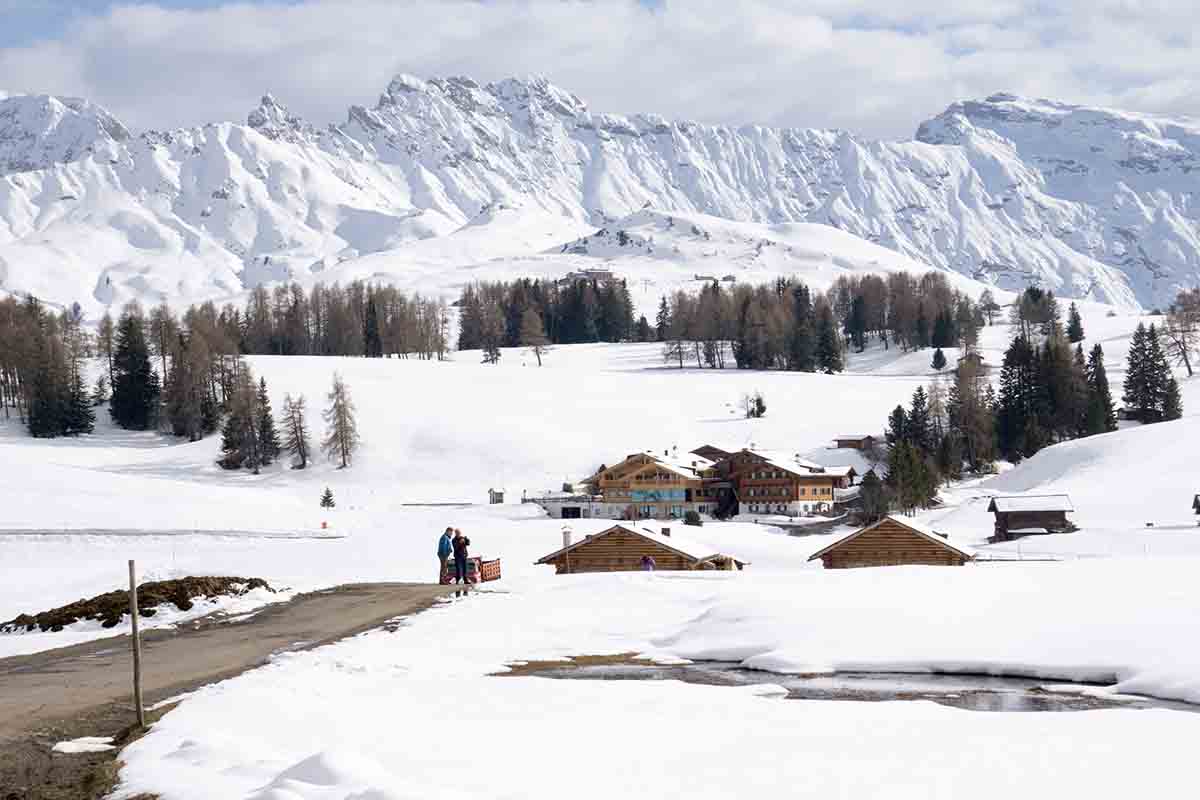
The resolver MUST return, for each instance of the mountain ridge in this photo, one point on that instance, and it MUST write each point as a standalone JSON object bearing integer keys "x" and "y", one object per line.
{"x": 1089, "y": 202}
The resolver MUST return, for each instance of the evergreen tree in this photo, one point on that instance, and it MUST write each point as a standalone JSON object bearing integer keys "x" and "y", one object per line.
{"x": 240, "y": 445}
{"x": 917, "y": 429}
{"x": 644, "y": 333}
{"x": 829, "y": 349}
{"x": 1101, "y": 418}
{"x": 1147, "y": 376}
{"x": 372, "y": 340}
{"x": 135, "y": 385}
{"x": 801, "y": 347}
{"x": 80, "y": 417}
{"x": 1172, "y": 402}
{"x": 327, "y": 499}
{"x": 856, "y": 323}
{"x": 341, "y": 428}
{"x": 1074, "y": 325}
{"x": 295, "y": 428}
{"x": 943, "y": 330}
{"x": 939, "y": 360}
{"x": 662, "y": 320}
{"x": 1016, "y": 423}
{"x": 897, "y": 427}
{"x": 873, "y": 496}
{"x": 268, "y": 438}
{"x": 913, "y": 482}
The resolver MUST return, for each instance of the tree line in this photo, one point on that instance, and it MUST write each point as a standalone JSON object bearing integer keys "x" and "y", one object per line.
{"x": 785, "y": 325}
{"x": 536, "y": 314}
{"x": 1049, "y": 392}
{"x": 42, "y": 378}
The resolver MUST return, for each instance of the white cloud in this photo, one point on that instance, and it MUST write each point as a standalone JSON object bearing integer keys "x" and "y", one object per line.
{"x": 873, "y": 66}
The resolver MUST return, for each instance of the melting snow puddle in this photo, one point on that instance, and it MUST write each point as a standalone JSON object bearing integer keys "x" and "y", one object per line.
{"x": 968, "y": 692}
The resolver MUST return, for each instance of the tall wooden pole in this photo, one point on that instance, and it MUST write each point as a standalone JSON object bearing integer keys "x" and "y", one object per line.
{"x": 137, "y": 648}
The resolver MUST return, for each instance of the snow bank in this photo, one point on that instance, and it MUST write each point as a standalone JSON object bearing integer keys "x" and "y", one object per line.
{"x": 1046, "y": 620}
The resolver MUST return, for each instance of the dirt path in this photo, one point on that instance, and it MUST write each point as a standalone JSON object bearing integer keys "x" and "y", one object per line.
{"x": 85, "y": 690}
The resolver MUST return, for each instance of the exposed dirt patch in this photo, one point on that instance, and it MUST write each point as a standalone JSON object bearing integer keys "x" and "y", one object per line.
{"x": 527, "y": 668}
{"x": 108, "y": 609}
{"x": 34, "y": 772}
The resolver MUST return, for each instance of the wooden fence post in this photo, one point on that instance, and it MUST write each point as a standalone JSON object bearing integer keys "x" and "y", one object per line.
{"x": 137, "y": 648}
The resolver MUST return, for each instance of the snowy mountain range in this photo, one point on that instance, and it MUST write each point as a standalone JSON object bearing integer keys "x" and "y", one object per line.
{"x": 1089, "y": 202}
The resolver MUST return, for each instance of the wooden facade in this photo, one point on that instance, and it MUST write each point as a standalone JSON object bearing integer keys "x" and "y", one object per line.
{"x": 891, "y": 542}
{"x": 647, "y": 487}
{"x": 1019, "y": 516}
{"x": 856, "y": 442}
{"x": 764, "y": 486}
{"x": 621, "y": 549}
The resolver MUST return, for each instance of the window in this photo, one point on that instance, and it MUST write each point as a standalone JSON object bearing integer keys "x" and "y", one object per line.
{"x": 647, "y": 511}
{"x": 676, "y": 511}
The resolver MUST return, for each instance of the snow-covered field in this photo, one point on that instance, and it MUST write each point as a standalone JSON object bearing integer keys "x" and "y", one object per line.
{"x": 414, "y": 713}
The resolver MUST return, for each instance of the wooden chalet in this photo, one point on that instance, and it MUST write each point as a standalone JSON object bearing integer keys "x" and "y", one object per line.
{"x": 891, "y": 542}
{"x": 621, "y": 548}
{"x": 645, "y": 485}
{"x": 864, "y": 441}
{"x": 766, "y": 482}
{"x": 1020, "y": 516}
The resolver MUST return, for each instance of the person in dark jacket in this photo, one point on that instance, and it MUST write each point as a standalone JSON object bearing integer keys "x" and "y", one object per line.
{"x": 445, "y": 549}
{"x": 460, "y": 544}
{"x": 648, "y": 564}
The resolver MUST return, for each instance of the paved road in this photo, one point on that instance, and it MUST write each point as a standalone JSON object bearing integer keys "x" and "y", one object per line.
{"x": 46, "y": 690}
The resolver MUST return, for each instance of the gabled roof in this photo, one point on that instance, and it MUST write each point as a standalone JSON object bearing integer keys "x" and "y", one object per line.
{"x": 915, "y": 527}
{"x": 1041, "y": 502}
{"x": 857, "y": 437}
{"x": 688, "y": 548}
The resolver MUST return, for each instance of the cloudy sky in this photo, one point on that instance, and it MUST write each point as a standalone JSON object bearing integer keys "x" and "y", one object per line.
{"x": 876, "y": 67}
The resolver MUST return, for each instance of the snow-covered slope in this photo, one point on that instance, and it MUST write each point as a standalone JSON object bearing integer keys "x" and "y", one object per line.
{"x": 1088, "y": 202}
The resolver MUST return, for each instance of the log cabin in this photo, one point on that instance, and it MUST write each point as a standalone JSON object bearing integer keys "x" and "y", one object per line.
{"x": 892, "y": 542}
{"x": 622, "y": 548}
{"x": 1032, "y": 514}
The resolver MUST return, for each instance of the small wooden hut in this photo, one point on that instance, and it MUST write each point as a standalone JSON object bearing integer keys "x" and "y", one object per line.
{"x": 1030, "y": 514}
{"x": 892, "y": 542}
{"x": 855, "y": 441}
{"x": 621, "y": 548}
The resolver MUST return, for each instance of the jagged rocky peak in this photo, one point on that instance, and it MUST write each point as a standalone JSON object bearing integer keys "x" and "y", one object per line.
{"x": 39, "y": 130}
{"x": 273, "y": 120}
{"x": 538, "y": 89}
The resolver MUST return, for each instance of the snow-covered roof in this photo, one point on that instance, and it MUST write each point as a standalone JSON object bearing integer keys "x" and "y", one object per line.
{"x": 685, "y": 546}
{"x": 1042, "y": 502}
{"x": 686, "y": 462}
{"x": 915, "y": 527}
{"x": 792, "y": 462}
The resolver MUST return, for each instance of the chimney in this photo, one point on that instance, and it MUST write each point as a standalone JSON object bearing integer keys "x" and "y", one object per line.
{"x": 566, "y": 532}
{"x": 666, "y": 532}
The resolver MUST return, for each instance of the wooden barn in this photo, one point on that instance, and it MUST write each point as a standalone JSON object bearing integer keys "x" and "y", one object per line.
{"x": 1021, "y": 516}
{"x": 855, "y": 441}
{"x": 891, "y": 542}
{"x": 621, "y": 548}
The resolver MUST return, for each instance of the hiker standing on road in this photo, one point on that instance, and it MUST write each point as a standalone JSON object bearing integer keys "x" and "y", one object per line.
{"x": 445, "y": 548}
{"x": 460, "y": 543}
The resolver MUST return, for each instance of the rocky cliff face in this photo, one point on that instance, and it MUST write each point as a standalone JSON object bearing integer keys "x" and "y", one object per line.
{"x": 1089, "y": 202}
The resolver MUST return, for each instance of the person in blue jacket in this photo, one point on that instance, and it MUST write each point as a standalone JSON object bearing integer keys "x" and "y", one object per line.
{"x": 445, "y": 548}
